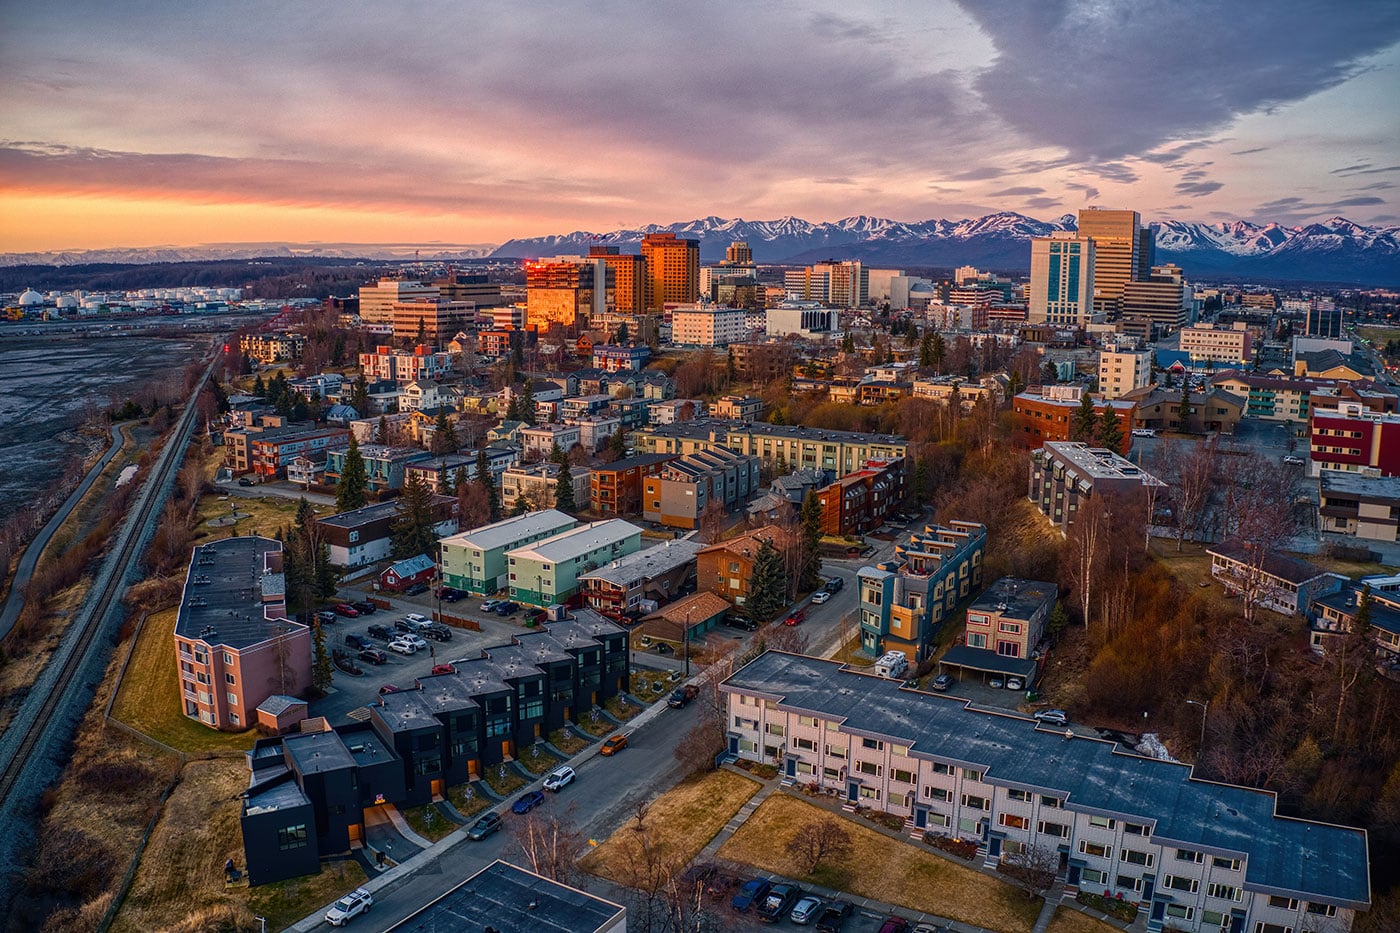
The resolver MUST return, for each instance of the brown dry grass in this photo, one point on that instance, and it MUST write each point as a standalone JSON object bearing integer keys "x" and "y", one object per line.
{"x": 680, "y": 822}
{"x": 1069, "y": 920}
{"x": 266, "y": 515}
{"x": 149, "y": 697}
{"x": 881, "y": 868}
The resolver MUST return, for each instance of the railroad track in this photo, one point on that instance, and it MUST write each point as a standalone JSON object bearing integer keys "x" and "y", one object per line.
{"x": 28, "y": 740}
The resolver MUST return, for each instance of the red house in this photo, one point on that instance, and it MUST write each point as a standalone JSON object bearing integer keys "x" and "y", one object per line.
{"x": 405, "y": 573}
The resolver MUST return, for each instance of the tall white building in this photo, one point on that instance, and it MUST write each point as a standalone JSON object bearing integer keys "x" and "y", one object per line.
{"x": 1123, "y": 370}
{"x": 1062, "y": 280}
{"x": 377, "y": 301}
{"x": 707, "y": 326}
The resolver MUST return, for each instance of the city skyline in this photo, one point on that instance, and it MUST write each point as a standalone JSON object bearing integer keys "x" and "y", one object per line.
{"x": 355, "y": 123}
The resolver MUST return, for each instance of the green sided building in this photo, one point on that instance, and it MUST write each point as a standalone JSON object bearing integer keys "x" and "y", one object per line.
{"x": 475, "y": 560}
{"x": 547, "y": 572}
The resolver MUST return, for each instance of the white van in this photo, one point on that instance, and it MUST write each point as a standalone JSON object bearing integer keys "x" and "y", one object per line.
{"x": 892, "y": 665}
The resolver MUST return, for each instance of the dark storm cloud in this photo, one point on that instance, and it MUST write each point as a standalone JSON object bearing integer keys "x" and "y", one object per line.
{"x": 1065, "y": 74}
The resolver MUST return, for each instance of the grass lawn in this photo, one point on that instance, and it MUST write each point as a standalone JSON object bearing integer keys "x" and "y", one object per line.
{"x": 503, "y": 786}
{"x": 285, "y": 902}
{"x": 1069, "y": 920}
{"x": 881, "y": 868}
{"x": 643, "y": 686}
{"x": 1348, "y": 568}
{"x": 850, "y": 653}
{"x": 680, "y": 823}
{"x": 148, "y": 698}
{"x": 567, "y": 741}
{"x": 265, "y": 514}
{"x": 538, "y": 760}
{"x": 621, "y": 710}
{"x": 428, "y": 822}
{"x": 602, "y": 727}
{"x": 467, "y": 806}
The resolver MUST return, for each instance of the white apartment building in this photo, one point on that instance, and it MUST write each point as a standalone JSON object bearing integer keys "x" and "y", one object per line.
{"x": 1061, "y": 290}
{"x": 423, "y": 362}
{"x": 541, "y": 438}
{"x": 1122, "y": 371}
{"x": 1231, "y": 345}
{"x": 707, "y": 326}
{"x": 1194, "y": 855}
{"x": 377, "y": 301}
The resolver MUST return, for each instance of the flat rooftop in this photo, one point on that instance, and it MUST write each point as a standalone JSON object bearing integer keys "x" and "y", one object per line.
{"x": 646, "y": 563}
{"x": 1098, "y": 462}
{"x": 512, "y": 900}
{"x": 703, "y": 427}
{"x": 318, "y": 751}
{"x": 577, "y": 541}
{"x": 1370, "y": 488}
{"x": 1015, "y": 598}
{"x": 1319, "y": 861}
{"x": 357, "y": 517}
{"x": 223, "y": 602}
{"x": 511, "y": 530}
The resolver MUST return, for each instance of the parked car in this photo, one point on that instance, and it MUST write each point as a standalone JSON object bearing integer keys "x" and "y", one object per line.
{"x": 444, "y": 669}
{"x": 894, "y": 925}
{"x": 389, "y": 688}
{"x": 1014, "y": 683}
{"x": 325, "y": 616}
{"x": 820, "y": 596}
{"x": 1054, "y": 717}
{"x": 834, "y": 585}
{"x": 437, "y": 632}
{"x": 418, "y": 643}
{"x": 929, "y": 928}
{"x": 356, "y": 641}
{"x": 795, "y": 617}
{"x": 753, "y": 890}
{"x": 994, "y": 683}
{"x": 402, "y": 645}
{"x": 779, "y": 902}
{"x": 506, "y": 608}
{"x": 942, "y": 682}
{"x": 1144, "y": 432}
{"x": 403, "y": 625}
{"x": 382, "y": 632}
{"x": 449, "y": 594}
{"x": 357, "y": 902}
{"x": 490, "y": 605}
{"x": 488, "y": 824}
{"x": 805, "y": 910}
{"x": 244, "y": 481}
{"x": 528, "y": 801}
{"x": 682, "y": 695}
{"x": 834, "y": 916}
{"x": 1294, "y": 461}
{"x": 365, "y": 607}
{"x": 347, "y": 610}
{"x": 748, "y": 625}
{"x": 373, "y": 656}
{"x": 614, "y": 744}
{"x": 418, "y": 619}
{"x": 416, "y": 589}
{"x": 559, "y": 778}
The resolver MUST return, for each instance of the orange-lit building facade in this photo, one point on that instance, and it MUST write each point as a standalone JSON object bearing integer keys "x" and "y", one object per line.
{"x": 560, "y": 293}
{"x": 672, "y": 270}
{"x": 629, "y": 278}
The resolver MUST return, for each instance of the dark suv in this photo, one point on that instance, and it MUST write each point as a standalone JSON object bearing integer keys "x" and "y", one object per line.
{"x": 748, "y": 625}
{"x": 357, "y": 641}
{"x": 380, "y": 631}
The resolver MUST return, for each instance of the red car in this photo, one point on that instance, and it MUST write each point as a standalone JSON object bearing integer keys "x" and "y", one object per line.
{"x": 795, "y": 617}
{"x": 389, "y": 688}
{"x": 347, "y": 610}
{"x": 444, "y": 669}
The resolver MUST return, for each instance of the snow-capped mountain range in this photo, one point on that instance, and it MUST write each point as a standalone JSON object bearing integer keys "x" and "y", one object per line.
{"x": 392, "y": 252}
{"x": 1334, "y": 251}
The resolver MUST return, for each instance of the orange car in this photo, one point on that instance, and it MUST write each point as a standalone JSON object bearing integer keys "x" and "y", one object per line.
{"x": 614, "y": 745}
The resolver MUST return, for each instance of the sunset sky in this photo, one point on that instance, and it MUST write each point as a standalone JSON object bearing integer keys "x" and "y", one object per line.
{"x": 141, "y": 124}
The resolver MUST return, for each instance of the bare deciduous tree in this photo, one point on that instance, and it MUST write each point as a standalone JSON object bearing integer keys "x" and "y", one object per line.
{"x": 819, "y": 840}
{"x": 1032, "y": 869}
{"x": 550, "y": 844}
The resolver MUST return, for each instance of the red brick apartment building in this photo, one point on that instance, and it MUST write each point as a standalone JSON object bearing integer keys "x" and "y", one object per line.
{"x": 234, "y": 646}
{"x": 1047, "y": 414}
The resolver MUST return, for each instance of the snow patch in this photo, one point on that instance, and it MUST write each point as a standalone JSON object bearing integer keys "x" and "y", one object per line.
{"x": 127, "y": 475}
{"x": 1150, "y": 745}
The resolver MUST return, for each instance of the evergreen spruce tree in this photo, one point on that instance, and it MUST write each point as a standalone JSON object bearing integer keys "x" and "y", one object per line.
{"x": 527, "y": 403}
{"x": 557, "y": 455}
{"x": 444, "y": 434}
{"x": 848, "y": 343}
{"x": 351, "y": 492}
{"x": 326, "y": 577}
{"x": 1049, "y": 374}
{"x": 1084, "y": 424}
{"x": 780, "y": 465}
{"x": 618, "y": 444}
{"x": 1110, "y": 434}
{"x": 259, "y": 387}
{"x": 359, "y": 396}
{"x": 811, "y": 516}
{"x": 459, "y": 479}
{"x": 622, "y": 333}
{"x": 483, "y": 476}
{"x": 768, "y": 588}
{"x": 731, "y": 371}
{"x": 564, "y": 490}
{"x": 321, "y": 671}
{"x": 381, "y": 434}
{"x": 926, "y": 350}
{"x": 412, "y": 532}
{"x": 513, "y": 408}
{"x": 938, "y": 351}
{"x": 1183, "y": 408}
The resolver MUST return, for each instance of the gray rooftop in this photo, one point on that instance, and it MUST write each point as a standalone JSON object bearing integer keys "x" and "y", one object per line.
{"x": 511, "y": 530}
{"x": 1015, "y": 598}
{"x": 405, "y": 711}
{"x": 1369, "y": 488}
{"x": 357, "y": 517}
{"x": 317, "y": 751}
{"x": 279, "y": 795}
{"x": 222, "y": 602}
{"x": 1317, "y": 860}
{"x": 569, "y": 544}
{"x": 703, "y": 427}
{"x": 513, "y": 900}
{"x": 646, "y": 563}
{"x": 1098, "y": 462}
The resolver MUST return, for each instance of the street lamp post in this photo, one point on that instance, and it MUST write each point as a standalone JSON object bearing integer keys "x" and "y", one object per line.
{"x": 1205, "y": 712}
{"x": 685, "y": 639}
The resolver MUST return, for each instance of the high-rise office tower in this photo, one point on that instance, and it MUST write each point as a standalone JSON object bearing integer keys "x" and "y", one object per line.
{"x": 1163, "y": 298}
{"x": 738, "y": 254}
{"x": 672, "y": 271}
{"x": 562, "y": 292}
{"x": 1117, "y": 253}
{"x": 1062, "y": 279}
{"x": 377, "y": 301}
{"x": 1324, "y": 319}
{"x": 629, "y": 275}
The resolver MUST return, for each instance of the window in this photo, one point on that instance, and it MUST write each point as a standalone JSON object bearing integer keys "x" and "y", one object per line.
{"x": 833, "y": 727}
{"x": 746, "y": 745}
{"x": 807, "y": 745}
{"x": 1213, "y": 918}
{"x": 229, "y": 679}
{"x": 228, "y": 658}
{"x": 1014, "y": 822}
{"x": 941, "y": 768}
{"x": 1053, "y": 829}
{"x": 1136, "y": 858}
{"x": 1262, "y": 927}
{"x": 1129, "y": 882}
{"x": 1102, "y": 822}
{"x": 1180, "y": 911}
{"x": 1181, "y": 884}
{"x": 291, "y": 837}
{"x": 1093, "y": 876}
{"x": 1014, "y": 794}
{"x": 1233, "y": 864}
{"x": 233, "y": 718}
{"x": 804, "y": 768}
{"x": 902, "y": 776}
{"x": 872, "y": 743}
{"x": 870, "y": 793}
{"x": 809, "y": 721}
{"x": 1323, "y": 910}
{"x": 1134, "y": 829}
{"x": 975, "y": 803}
{"x": 1189, "y": 855}
{"x": 835, "y": 751}
{"x": 831, "y": 774}
{"x": 970, "y": 775}
{"x": 937, "y": 793}
{"x": 773, "y": 729}
{"x": 1223, "y": 891}
{"x": 899, "y": 749}
{"x": 1096, "y": 850}
{"x": 232, "y": 699}
{"x": 868, "y": 767}
{"x": 1284, "y": 903}
{"x": 1051, "y": 802}
{"x": 967, "y": 825}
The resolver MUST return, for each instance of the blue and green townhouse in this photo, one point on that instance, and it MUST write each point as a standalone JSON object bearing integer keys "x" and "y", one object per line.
{"x": 548, "y": 571}
{"x": 905, "y": 600}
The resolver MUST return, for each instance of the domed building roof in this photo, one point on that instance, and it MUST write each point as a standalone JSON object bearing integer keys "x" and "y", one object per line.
{"x": 31, "y": 297}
